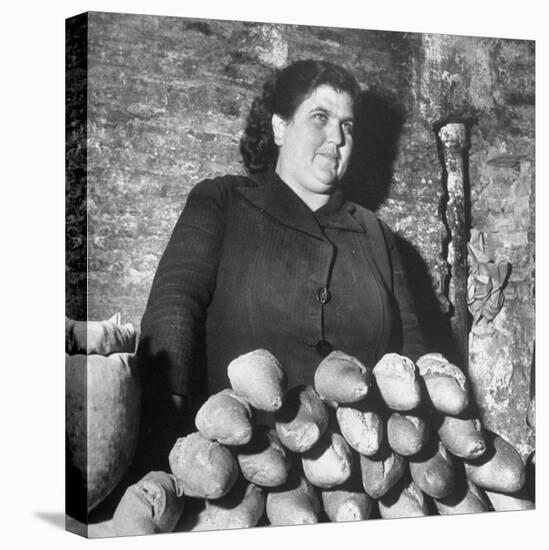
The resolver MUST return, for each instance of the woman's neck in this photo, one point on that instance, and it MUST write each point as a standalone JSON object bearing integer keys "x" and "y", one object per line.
{"x": 313, "y": 200}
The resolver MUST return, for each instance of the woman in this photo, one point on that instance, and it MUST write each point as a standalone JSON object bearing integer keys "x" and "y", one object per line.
{"x": 278, "y": 259}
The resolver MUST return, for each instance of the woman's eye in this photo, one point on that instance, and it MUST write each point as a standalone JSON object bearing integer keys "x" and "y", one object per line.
{"x": 348, "y": 128}
{"x": 321, "y": 117}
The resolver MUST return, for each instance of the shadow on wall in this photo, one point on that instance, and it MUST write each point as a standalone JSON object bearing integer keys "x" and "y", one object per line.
{"x": 368, "y": 182}
{"x": 378, "y": 128}
{"x": 433, "y": 321}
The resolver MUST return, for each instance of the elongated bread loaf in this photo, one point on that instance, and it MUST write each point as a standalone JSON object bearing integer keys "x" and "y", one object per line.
{"x": 225, "y": 417}
{"x": 500, "y": 469}
{"x": 295, "y": 503}
{"x": 153, "y": 505}
{"x": 406, "y": 433}
{"x": 381, "y": 471}
{"x": 329, "y": 462}
{"x": 264, "y": 461}
{"x": 462, "y": 436}
{"x": 241, "y": 507}
{"x": 397, "y": 379}
{"x": 259, "y": 378}
{"x": 445, "y": 383}
{"x": 466, "y": 498}
{"x": 347, "y": 502}
{"x": 433, "y": 470}
{"x": 302, "y": 419}
{"x": 342, "y": 378}
{"x": 404, "y": 500}
{"x": 203, "y": 468}
{"x": 362, "y": 428}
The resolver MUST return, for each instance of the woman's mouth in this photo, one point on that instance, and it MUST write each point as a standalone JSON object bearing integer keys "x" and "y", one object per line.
{"x": 331, "y": 157}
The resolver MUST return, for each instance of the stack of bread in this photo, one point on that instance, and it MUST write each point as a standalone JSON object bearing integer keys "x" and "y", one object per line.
{"x": 398, "y": 440}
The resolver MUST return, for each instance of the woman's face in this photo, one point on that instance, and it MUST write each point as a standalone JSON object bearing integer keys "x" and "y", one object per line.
{"x": 315, "y": 144}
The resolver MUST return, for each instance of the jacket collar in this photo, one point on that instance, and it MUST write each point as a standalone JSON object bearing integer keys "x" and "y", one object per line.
{"x": 273, "y": 196}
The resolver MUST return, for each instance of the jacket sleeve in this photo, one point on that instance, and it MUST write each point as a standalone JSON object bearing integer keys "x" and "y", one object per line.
{"x": 171, "y": 345}
{"x": 413, "y": 344}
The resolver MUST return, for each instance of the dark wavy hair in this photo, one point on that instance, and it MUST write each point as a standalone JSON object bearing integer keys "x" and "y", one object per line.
{"x": 282, "y": 94}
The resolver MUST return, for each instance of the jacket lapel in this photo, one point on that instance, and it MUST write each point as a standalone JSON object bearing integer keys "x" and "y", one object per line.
{"x": 273, "y": 196}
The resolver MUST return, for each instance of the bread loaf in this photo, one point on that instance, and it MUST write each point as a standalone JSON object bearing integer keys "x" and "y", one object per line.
{"x": 381, "y": 471}
{"x": 329, "y": 462}
{"x": 397, "y": 379}
{"x": 406, "y": 433}
{"x": 241, "y": 507}
{"x": 433, "y": 471}
{"x": 259, "y": 378}
{"x": 465, "y": 499}
{"x": 225, "y": 417}
{"x": 362, "y": 428}
{"x": 152, "y": 505}
{"x": 302, "y": 419}
{"x": 445, "y": 383}
{"x": 342, "y": 378}
{"x": 403, "y": 500}
{"x": 347, "y": 502}
{"x": 462, "y": 436}
{"x": 500, "y": 469}
{"x": 264, "y": 461}
{"x": 295, "y": 503}
{"x": 203, "y": 468}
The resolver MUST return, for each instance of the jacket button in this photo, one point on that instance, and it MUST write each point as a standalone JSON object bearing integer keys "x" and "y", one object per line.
{"x": 323, "y": 348}
{"x": 323, "y": 295}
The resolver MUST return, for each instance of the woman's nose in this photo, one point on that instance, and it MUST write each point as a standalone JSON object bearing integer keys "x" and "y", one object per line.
{"x": 335, "y": 134}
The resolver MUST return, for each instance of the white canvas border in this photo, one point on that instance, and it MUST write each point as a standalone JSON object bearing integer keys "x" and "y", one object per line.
{"x": 33, "y": 235}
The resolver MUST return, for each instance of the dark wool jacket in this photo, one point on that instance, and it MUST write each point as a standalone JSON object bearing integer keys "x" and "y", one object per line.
{"x": 250, "y": 266}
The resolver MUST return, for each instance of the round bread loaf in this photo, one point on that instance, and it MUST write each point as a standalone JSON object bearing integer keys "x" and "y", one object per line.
{"x": 152, "y": 505}
{"x": 362, "y": 428}
{"x": 296, "y": 503}
{"x": 225, "y": 417}
{"x": 346, "y": 505}
{"x": 406, "y": 433}
{"x": 381, "y": 471}
{"x": 445, "y": 383}
{"x": 404, "y": 500}
{"x": 241, "y": 507}
{"x": 463, "y": 437}
{"x": 259, "y": 378}
{"x": 342, "y": 378}
{"x": 302, "y": 419}
{"x": 500, "y": 469}
{"x": 397, "y": 379}
{"x": 329, "y": 462}
{"x": 465, "y": 499}
{"x": 433, "y": 470}
{"x": 264, "y": 461}
{"x": 203, "y": 468}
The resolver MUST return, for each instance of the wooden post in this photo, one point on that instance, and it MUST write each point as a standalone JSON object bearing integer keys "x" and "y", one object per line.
{"x": 453, "y": 137}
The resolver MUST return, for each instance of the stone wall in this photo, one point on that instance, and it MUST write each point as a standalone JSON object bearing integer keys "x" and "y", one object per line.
{"x": 167, "y": 98}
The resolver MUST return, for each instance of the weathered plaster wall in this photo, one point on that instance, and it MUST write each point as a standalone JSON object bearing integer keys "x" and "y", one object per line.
{"x": 167, "y": 98}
